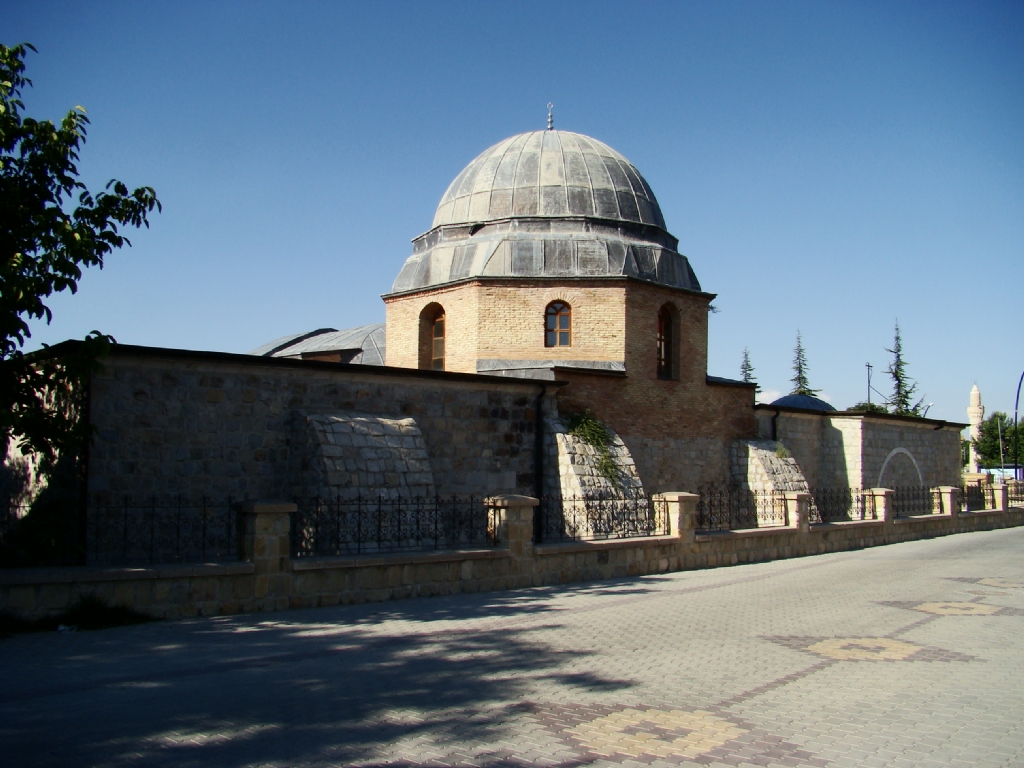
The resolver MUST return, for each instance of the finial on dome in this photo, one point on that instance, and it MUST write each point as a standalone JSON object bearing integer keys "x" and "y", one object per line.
{"x": 551, "y": 117}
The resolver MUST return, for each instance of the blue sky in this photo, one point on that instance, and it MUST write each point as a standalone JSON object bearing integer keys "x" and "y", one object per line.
{"x": 827, "y": 167}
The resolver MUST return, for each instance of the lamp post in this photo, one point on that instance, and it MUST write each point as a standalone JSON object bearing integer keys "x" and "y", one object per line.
{"x": 1016, "y": 402}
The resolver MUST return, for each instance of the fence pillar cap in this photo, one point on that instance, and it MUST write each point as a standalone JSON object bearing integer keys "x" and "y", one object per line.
{"x": 797, "y": 495}
{"x": 665, "y": 495}
{"x": 269, "y": 507}
{"x": 881, "y": 490}
{"x": 511, "y": 500}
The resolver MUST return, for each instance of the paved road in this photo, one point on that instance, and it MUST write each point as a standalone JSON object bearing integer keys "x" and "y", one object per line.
{"x": 907, "y": 655}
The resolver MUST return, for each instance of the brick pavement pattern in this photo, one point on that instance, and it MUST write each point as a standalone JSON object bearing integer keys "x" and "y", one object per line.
{"x": 905, "y": 655}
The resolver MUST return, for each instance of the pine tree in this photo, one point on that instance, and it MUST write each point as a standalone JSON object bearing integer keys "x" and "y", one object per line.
{"x": 801, "y": 386}
{"x": 747, "y": 370}
{"x": 903, "y": 387}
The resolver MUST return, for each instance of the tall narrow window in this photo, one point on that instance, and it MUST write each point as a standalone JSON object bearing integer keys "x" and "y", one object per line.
{"x": 558, "y": 325}
{"x": 432, "y": 337}
{"x": 668, "y": 347}
{"x": 437, "y": 343}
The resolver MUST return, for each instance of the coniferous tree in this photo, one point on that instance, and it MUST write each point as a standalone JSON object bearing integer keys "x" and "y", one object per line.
{"x": 747, "y": 370}
{"x": 801, "y": 385}
{"x": 903, "y": 387}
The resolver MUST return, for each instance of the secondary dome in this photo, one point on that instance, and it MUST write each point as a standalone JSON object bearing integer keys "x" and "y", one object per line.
{"x": 807, "y": 402}
{"x": 549, "y": 174}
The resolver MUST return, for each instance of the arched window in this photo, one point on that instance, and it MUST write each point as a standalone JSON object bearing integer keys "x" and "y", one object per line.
{"x": 432, "y": 337}
{"x": 668, "y": 342}
{"x": 558, "y": 325}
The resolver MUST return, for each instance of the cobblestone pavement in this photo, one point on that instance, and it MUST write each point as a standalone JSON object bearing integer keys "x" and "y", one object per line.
{"x": 906, "y": 655}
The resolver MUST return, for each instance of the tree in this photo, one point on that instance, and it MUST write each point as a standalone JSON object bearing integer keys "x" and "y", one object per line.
{"x": 903, "y": 387}
{"x": 801, "y": 385}
{"x": 864, "y": 405}
{"x": 47, "y": 237}
{"x": 747, "y": 370}
{"x": 995, "y": 445}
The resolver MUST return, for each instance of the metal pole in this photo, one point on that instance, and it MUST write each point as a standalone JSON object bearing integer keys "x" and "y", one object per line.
{"x": 1016, "y": 471}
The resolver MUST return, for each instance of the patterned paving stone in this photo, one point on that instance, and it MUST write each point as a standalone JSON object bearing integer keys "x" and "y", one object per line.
{"x": 907, "y": 655}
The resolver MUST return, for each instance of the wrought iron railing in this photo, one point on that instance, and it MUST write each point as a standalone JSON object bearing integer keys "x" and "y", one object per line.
{"x": 156, "y": 531}
{"x": 578, "y": 518}
{"x": 976, "y": 497}
{"x": 835, "y": 505}
{"x": 1015, "y": 493}
{"x": 908, "y": 501}
{"x": 47, "y": 532}
{"x": 722, "y": 509}
{"x": 359, "y": 526}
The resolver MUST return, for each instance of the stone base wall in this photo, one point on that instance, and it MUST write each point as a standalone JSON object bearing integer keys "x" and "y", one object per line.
{"x": 271, "y": 580}
{"x": 681, "y": 462}
{"x": 172, "y": 422}
{"x": 838, "y": 449}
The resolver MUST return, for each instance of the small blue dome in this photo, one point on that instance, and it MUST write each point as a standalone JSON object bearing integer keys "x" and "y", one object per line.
{"x": 806, "y": 402}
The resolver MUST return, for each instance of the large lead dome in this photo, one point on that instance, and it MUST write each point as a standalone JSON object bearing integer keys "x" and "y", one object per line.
{"x": 549, "y": 173}
{"x": 547, "y": 204}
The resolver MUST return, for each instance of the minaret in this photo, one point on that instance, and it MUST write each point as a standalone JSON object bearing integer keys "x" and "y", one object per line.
{"x": 975, "y": 415}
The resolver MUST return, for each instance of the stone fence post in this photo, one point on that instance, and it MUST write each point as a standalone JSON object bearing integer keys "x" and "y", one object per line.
{"x": 798, "y": 510}
{"x": 516, "y": 527}
{"x": 884, "y": 504}
{"x": 949, "y": 501}
{"x": 266, "y": 543}
{"x": 682, "y": 513}
{"x": 1000, "y": 497}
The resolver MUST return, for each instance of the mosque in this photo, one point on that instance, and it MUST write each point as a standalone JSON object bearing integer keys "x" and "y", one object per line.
{"x": 547, "y": 291}
{"x": 549, "y": 260}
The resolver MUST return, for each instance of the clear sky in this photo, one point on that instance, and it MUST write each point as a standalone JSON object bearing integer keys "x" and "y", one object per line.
{"x": 827, "y": 167}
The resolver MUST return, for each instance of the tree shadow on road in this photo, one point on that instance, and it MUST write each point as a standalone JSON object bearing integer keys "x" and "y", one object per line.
{"x": 330, "y": 685}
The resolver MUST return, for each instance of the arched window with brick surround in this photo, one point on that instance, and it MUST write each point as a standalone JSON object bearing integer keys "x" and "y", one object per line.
{"x": 558, "y": 325}
{"x": 668, "y": 342}
{"x": 432, "y": 337}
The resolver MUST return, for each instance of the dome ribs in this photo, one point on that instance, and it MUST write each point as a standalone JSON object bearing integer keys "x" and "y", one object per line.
{"x": 547, "y": 204}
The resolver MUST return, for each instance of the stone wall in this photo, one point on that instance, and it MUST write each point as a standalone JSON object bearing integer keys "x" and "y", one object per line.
{"x": 765, "y": 465}
{"x": 841, "y": 449}
{"x": 269, "y": 579}
{"x": 171, "y": 422}
{"x": 356, "y": 454}
{"x": 578, "y": 468}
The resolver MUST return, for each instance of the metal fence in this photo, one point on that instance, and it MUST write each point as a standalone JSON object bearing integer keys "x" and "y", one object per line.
{"x": 836, "y": 505}
{"x": 1015, "y": 493}
{"x": 577, "y": 518}
{"x": 915, "y": 500}
{"x": 976, "y": 497}
{"x": 160, "y": 531}
{"x": 336, "y": 526}
{"x": 735, "y": 509}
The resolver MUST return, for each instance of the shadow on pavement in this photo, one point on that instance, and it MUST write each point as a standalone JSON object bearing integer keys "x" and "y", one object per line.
{"x": 295, "y": 687}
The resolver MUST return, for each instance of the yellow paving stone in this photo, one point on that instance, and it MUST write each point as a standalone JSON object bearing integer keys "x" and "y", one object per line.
{"x": 699, "y": 732}
{"x": 1001, "y": 582}
{"x": 958, "y": 609}
{"x": 864, "y": 649}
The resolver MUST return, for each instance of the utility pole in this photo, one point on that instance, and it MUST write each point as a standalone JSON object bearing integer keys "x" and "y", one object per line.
{"x": 1016, "y": 402}
{"x": 869, "y": 367}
